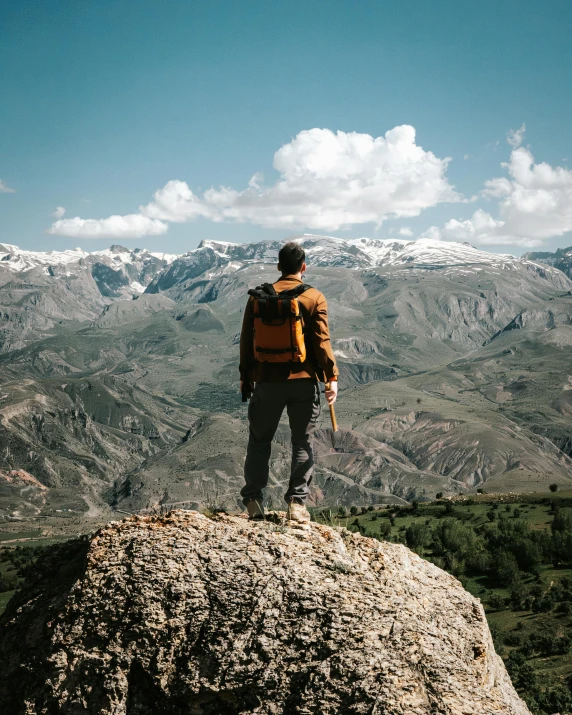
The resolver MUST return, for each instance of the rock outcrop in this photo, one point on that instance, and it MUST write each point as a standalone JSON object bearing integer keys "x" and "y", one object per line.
{"x": 188, "y": 614}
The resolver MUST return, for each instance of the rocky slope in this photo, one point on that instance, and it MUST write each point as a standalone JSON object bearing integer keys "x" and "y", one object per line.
{"x": 43, "y": 292}
{"x": 561, "y": 259}
{"x": 74, "y": 438}
{"x": 185, "y": 614}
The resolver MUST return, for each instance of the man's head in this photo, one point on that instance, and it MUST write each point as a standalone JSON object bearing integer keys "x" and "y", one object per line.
{"x": 291, "y": 259}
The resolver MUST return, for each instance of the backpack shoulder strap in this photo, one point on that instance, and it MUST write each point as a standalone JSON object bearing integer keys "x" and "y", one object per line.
{"x": 295, "y": 292}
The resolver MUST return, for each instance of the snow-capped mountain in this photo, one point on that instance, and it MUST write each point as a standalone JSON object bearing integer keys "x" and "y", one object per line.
{"x": 17, "y": 259}
{"x": 118, "y": 271}
{"x": 213, "y": 258}
{"x": 362, "y": 252}
{"x": 122, "y": 272}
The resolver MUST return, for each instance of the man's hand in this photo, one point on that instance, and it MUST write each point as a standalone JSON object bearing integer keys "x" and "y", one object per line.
{"x": 331, "y": 392}
{"x": 246, "y": 388}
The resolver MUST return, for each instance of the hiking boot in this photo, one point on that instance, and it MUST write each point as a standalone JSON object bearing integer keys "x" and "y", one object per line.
{"x": 255, "y": 510}
{"x": 297, "y": 512}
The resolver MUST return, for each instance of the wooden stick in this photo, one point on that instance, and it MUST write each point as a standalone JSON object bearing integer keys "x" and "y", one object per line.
{"x": 332, "y": 411}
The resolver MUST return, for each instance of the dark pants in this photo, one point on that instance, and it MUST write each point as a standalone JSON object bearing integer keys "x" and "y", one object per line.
{"x": 301, "y": 398}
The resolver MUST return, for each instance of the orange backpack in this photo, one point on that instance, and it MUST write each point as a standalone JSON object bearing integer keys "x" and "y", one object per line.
{"x": 278, "y": 324}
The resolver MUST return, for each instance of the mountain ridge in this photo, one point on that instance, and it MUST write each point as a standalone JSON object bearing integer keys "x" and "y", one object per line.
{"x": 358, "y": 253}
{"x": 561, "y": 259}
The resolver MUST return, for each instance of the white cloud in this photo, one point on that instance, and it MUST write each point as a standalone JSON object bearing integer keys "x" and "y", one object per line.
{"x": 515, "y": 136}
{"x": 434, "y": 233}
{"x": 534, "y": 204}
{"x": 4, "y": 189}
{"x": 333, "y": 180}
{"x": 176, "y": 202}
{"x": 59, "y": 212}
{"x": 405, "y": 231}
{"x": 256, "y": 180}
{"x": 480, "y": 228}
{"x": 130, "y": 226}
{"x": 328, "y": 180}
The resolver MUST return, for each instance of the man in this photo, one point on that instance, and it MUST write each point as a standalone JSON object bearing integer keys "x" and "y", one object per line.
{"x": 290, "y": 385}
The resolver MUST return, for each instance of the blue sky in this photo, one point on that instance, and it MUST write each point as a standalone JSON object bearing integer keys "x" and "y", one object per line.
{"x": 104, "y": 103}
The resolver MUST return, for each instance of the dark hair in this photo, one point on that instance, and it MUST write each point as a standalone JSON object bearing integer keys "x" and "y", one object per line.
{"x": 290, "y": 258}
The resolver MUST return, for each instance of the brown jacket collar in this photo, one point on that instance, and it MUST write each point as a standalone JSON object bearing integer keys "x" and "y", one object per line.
{"x": 289, "y": 278}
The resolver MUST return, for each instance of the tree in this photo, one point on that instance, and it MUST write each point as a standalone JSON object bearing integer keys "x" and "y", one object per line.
{"x": 506, "y": 568}
{"x": 562, "y": 520}
{"x": 439, "y": 495}
{"x": 8, "y": 582}
{"x": 342, "y": 511}
{"x": 557, "y": 699}
{"x": 565, "y": 607}
{"x": 496, "y": 602}
{"x": 478, "y": 560}
{"x": 527, "y": 556}
{"x": 553, "y": 487}
{"x": 417, "y": 536}
{"x": 517, "y": 595}
{"x": 561, "y": 547}
{"x": 384, "y": 529}
{"x": 353, "y": 510}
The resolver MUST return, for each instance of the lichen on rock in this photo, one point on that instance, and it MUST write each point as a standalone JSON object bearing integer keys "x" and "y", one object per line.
{"x": 195, "y": 615}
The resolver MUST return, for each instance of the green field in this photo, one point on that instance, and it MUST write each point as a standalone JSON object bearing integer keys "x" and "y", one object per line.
{"x": 515, "y": 555}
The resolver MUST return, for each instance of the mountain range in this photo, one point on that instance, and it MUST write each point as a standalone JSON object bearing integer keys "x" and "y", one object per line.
{"x": 118, "y": 373}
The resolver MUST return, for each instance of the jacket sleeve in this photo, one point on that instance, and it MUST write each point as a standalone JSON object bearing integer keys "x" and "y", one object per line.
{"x": 247, "y": 343}
{"x": 321, "y": 339}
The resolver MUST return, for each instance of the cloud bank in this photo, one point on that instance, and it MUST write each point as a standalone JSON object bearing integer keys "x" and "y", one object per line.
{"x": 328, "y": 181}
{"x": 130, "y": 226}
{"x": 534, "y": 204}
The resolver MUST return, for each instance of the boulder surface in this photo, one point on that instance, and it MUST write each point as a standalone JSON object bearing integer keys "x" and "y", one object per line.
{"x": 184, "y": 614}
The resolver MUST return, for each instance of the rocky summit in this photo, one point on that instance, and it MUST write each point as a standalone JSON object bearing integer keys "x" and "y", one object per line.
{"x": 188, "y": 614}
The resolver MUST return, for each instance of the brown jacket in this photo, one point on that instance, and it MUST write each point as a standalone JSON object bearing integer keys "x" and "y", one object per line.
{"x": 320, "y": 361}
